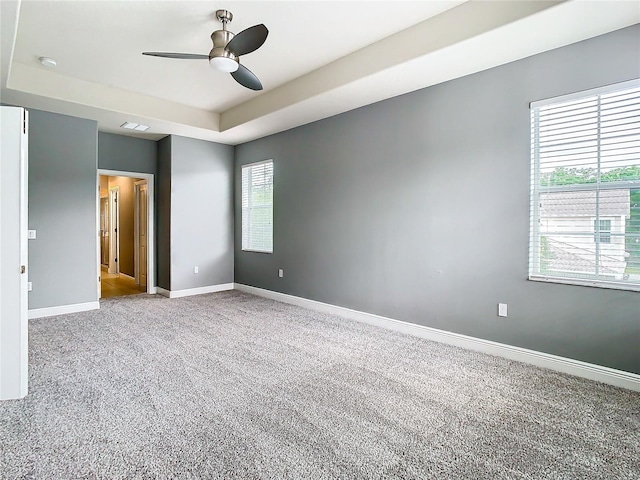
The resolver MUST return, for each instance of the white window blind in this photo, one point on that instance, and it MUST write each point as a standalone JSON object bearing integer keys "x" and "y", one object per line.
{"x": 257, "y": 207}
{"x": 585, "y": 188}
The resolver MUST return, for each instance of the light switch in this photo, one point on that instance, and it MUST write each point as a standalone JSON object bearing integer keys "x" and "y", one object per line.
{"x": 31, "y": 234}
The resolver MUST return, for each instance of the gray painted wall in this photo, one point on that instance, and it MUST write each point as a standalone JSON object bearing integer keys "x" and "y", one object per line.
{"x": 127, "y": 154}
{"x": 417, "y": 208}
{"x": 62, "y": 209}
{"x": 163, "y": 214}
{"x": 201, "y": 213}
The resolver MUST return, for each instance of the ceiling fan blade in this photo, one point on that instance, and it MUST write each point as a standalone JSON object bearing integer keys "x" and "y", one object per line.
{"x": 246, "y": 78}
{"x": 185, "y": 56}
{"x": 248, "y": 40}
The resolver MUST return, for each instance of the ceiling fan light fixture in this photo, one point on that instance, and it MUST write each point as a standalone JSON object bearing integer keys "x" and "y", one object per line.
{"x": 224, "y": 64}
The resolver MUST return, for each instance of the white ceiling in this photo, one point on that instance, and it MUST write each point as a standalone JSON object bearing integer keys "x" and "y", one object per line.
{"x": 320, "y": 59}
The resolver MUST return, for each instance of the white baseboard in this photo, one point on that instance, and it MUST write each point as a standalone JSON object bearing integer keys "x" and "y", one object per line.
{"x": 578, "y": 368}
{"x": 194, "y": 291}
{"x": 63, "y": 309}
{"x": 163, "y": 291}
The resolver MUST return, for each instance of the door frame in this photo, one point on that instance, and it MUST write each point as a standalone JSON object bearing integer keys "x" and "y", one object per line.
{"x": 136, "y": 229}
{"x": 151, "y": 257}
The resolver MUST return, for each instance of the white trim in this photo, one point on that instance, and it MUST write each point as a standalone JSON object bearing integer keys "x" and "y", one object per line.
{"x": 63, "y": 309}
{"x": 127, "y": 276}
{"x": 137, "y": 190}
{"x": 151, "y": 254}
{"x": 194, "y": 291}
{"x": 99, "y": 240}
{"x": 629, "y": 84}
{"x": 163, "y": 291}
{"x": 245, "y": 194}
{"x": 585, "y": 283}
{"x": 258, "y": 163}
{"x": 578, "y": 368}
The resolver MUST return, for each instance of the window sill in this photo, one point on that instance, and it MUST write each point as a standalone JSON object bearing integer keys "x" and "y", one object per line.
{"x": 585, "y": 283}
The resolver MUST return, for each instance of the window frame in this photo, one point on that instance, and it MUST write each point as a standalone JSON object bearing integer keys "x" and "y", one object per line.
{"x": 535, "y": 191}
{"x": 242, "y": 207}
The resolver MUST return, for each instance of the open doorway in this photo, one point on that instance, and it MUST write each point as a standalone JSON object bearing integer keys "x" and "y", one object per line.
{"x": 125, "y": 227}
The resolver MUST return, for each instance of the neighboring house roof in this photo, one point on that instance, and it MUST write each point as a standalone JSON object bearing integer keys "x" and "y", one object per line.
{"x": 583, "y": 203}
{"x": 562, "y": 258}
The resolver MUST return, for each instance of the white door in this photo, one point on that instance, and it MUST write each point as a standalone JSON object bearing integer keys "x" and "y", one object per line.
{"x": 141, "y": 232}
{"x": 104, "y": 231}
{"x": 13, "y": 253}
{"x": 114, "y": 224}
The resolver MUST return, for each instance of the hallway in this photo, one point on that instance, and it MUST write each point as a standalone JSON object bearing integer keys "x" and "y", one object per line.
{"x": 115, "y": 285}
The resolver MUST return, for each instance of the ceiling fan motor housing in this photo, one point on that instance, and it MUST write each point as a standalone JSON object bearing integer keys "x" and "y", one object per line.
{"x": 220, "y": 38}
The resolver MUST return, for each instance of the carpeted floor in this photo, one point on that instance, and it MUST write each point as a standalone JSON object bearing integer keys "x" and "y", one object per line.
{"x": 229, "y": 385}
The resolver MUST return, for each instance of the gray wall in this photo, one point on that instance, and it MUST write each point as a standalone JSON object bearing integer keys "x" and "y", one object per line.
{"x": 62, "y": 209}
{"x": 201, "y": 213}
{"x": 127, "y": 154}
{"x": 417, "y": 208}
{"x": 163, "y": 214}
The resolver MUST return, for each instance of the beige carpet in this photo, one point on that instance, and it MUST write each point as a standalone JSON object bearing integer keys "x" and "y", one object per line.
{"x": 229, "y": 385}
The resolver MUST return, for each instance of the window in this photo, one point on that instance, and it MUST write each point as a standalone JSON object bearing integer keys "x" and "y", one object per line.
{"x": 257, "y": 207}
{"x": 602, "y": 229}
{"x": 585, "y": 188}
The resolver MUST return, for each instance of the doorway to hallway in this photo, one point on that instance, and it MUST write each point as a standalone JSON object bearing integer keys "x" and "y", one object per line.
{"x": 125, "y": 233}
{"x": 116, "y": 285}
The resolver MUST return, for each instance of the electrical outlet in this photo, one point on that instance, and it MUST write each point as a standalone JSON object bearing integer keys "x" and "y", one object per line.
{"x": 280, "y": 273}
{"x": 195, "y": 269}
{"x": 29, "y": 286}
{"x": 502, "y": 309}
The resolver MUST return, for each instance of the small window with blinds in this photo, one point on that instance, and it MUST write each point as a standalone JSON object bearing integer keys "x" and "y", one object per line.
{"x": 257, "y": 207}
{"x": 585, "y": 188}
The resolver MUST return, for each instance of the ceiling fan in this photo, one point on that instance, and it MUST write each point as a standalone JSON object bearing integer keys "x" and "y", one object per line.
{"x": 227, "y": 49}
